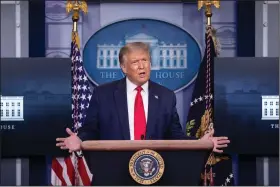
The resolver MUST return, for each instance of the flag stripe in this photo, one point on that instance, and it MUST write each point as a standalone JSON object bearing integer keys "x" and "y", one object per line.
{"x": 70, "y": 170}
{"x": 83, "y": 172}
{"x": 65, "y": 175}
{"x": 58, "y": 170}
{"x": 87, "y": 169}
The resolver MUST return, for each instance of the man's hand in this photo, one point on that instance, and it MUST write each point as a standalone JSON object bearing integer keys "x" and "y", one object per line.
{"x": 219, "y": 142}
{"x": 73, "y": 142}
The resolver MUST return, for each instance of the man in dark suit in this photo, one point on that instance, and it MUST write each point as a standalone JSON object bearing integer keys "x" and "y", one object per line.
{"x": 133, "y": 108}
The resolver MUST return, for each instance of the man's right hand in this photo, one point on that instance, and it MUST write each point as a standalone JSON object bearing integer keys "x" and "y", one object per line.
{"x": 73, "y": 142}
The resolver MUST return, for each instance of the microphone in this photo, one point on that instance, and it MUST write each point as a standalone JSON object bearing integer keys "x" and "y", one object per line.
{"x": 142, "y": 137}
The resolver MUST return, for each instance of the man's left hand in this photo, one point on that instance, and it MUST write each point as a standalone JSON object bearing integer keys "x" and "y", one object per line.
{"x": 219, "y": 142}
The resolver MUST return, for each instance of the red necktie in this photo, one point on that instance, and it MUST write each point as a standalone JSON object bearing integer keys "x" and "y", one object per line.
{"x": 139, "y": 116}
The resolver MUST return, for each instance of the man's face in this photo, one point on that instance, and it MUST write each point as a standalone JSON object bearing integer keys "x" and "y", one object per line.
{"x": 137, "y": 67}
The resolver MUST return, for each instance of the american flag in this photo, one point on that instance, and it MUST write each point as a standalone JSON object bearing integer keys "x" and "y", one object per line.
{"x": 73, "y": 171}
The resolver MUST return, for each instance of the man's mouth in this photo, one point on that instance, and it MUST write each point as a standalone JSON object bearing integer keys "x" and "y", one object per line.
{"x": 142, "y": 74}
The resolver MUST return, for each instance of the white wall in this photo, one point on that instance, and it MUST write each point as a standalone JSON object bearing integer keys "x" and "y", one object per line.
{"x": 267, "y": 44}
{"x": 8, "y": 49}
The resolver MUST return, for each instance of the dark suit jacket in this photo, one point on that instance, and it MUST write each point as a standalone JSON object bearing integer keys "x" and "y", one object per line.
{"x": 107, "y": 115}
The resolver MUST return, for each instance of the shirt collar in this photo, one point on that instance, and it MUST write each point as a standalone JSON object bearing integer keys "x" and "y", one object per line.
{"x": 130, "y": 87}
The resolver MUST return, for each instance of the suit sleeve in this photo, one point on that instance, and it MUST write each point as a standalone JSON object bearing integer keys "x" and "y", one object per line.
{"x": 90, "y": 128}
{"x": 175, "y": 129}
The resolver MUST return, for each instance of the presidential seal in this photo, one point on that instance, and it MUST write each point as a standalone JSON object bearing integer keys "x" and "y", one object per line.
{"x": 146, "y": 167}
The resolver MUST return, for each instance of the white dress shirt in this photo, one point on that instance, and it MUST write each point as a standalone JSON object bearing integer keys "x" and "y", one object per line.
{"x": 131, "y": 94}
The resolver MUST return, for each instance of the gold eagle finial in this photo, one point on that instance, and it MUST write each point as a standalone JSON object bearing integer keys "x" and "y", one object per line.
{"x": 208, "y": 11}
{"x": 208, "y": 3}
{"x": 76, "y": 6}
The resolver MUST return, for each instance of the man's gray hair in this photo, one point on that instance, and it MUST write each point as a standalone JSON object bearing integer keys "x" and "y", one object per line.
{"x": 132, "y": 47}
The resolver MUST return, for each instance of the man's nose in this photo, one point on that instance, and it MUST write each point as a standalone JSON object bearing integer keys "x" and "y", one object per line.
{"x": 141, "y": 65}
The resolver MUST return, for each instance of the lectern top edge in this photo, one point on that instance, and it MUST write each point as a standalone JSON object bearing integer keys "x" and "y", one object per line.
{"x": 134, "y": 145}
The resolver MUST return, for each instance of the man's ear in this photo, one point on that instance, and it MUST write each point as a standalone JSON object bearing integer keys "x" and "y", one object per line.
{"x": 123, "y": 67}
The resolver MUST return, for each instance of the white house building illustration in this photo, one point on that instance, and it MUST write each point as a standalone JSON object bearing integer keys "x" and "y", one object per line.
{"x": 164, "y": 56}
{"x": 11, "y": 108}
{"x": 270, "y": 107}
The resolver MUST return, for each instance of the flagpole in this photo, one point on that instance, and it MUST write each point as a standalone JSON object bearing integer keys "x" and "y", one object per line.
{"x": 76, "y": 7}
{"x": 208, "y": 13}
{"x": 208, "y": 109}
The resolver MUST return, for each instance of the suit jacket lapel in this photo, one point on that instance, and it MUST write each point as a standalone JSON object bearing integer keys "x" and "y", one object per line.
{"x": 152, "y": 109}
{"x": 121, "y": 103}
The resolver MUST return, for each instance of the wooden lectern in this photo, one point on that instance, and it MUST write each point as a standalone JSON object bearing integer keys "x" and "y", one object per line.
{"x": 115, "y": 162}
